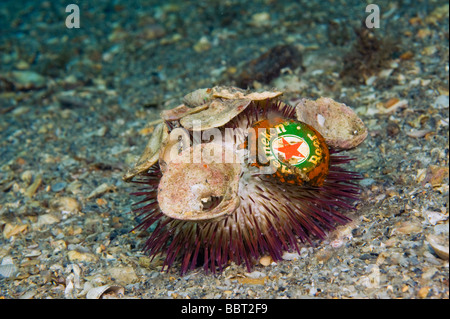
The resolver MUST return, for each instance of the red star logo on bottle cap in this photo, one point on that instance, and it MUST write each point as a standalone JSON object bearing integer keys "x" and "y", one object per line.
{"x": 290, "y": 150}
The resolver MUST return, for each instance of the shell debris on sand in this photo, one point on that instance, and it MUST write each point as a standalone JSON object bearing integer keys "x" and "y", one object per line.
{"x": 96, "y": 103}
{"x": 99, "y": 190}
{"x": 439, "y": 245}
{"x": 106, "y": 292}
{"x": 7, "y": 268}
{"x": 10, "y": 230}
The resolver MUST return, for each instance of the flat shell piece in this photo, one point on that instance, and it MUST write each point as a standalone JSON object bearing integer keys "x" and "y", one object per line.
{"x": 7, "y": 271}
{"x": 219, "y": 113}
{"x": 209, "y": 187}
{"x": 198, "y": 97}
{"x": 336, "y": 122}
{"x": 439, "y": 245}
{"x": 232, "y": 93}
{"x": 105, "y": 292}
{"x": 180, "y": 111}
{"x": 151, "y": 152}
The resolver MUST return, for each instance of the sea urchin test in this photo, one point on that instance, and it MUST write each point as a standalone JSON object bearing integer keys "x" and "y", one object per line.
{"x": 230, "y": 175}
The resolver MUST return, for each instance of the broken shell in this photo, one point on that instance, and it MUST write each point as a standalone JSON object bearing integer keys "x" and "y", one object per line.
{"x": 233, "y": 93}
{"x": 47, "y": 219}
{"x": 210, "y": 184}
{"x": 437, "y": 244}
{"x": 224, "y": 103}
{"x": 7, "y": 270}
{"x": 181, "y": 111}
{"x": 69, "y": 289}
{"x": 198, "y": 97}
{"x": 337, "y": 122}
{"x": 99, "y": 190}
{"x": 24, "y": 80}
{"x": 219, "y": 113}
{"x": 65, "y": 203}
{"x": 151, "y": 152}
{"x": 74, "y": 275}
{"x": 105, "y": 292}
{"x": 205, "y": 108}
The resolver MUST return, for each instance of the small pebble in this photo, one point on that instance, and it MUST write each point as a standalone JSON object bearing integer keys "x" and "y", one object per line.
{"x": 103, "y": 188}
{"x": 428, "y": 274}
{"x": 67, "y": 204}
{"x": 423, "y": 292}
{"x": 27, "y": 176}
{"x": 261, "y": 19}
{"x": 25, "y": 80}
{"x": 47, "y": 219}
{"x": 439, "y": 245}
{"x": 441, "y": 229}
{"x": 434, "y": 217}
{"x": 256, "y": 274}
{"x": 7, "y": 270}
{"x": 202, "y": 45}
{"x": 252, "y": 281}
{"x": 441, "y": 102}
{"x": 290, "y": 256}
{"x": 77, "y": 256}
{"x": 10, "y": 230}
{"x": 31, "y": 190}
{"x": 418, "y": 133}
{"x": 266, "y": 261}
{"x": 57, "y": 187}
{"x": 367, "y": 182}
{"x": 409, "y": 228}
{"x": 101, "y": 201}
{"x": 123, "y": 275}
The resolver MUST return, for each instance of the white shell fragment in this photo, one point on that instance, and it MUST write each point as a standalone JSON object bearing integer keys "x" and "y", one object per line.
{"x": 337, "y": 123}
{"x": 438, "y": 246}
{"x": 290, "y": 256}
{"x": 151, "y": 152}
{"x": 7, "y": 270}
{"x": 105, "y": 292}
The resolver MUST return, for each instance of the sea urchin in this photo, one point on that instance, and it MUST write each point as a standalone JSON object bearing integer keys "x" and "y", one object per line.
{"x": 251, "y": 181}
